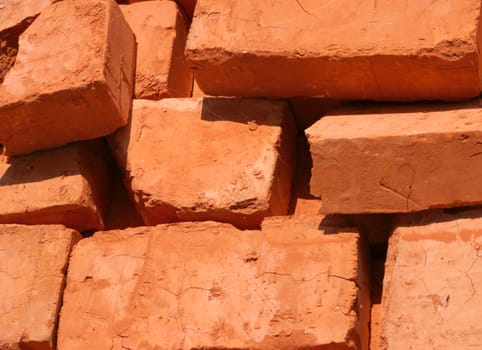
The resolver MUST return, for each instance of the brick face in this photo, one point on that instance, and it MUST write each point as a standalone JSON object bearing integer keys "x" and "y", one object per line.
{"x": 68, "y": 185}
{"x": 160, "y": 30}
{"x": 397, "y": 159}
{"x": 76, "y": 91}
{"x": 33, "y": 260}
{"x": 336, "y": 49}
{"x": 234, "y": 159}
{"x": 432, "y": 276}
{"x": 214, "y": 287}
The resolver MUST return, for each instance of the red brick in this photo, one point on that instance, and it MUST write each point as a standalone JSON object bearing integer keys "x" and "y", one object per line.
{"x": 160, "y": 31}
{"x": 214, "y": 286}
{"x": 430, "y": 293}
{"x": 13, "y": 12}
{"x": 399, "y": 159}
{"x": 72, "y": 78}
{"x": 227, "y": 160}
{"x": 33, "y": 260}
{"x": 67, "y": 185}
{"x": 337, "y": 49}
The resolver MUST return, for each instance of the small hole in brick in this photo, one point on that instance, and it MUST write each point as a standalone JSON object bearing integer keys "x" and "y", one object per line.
{"x": 1, "y": 149}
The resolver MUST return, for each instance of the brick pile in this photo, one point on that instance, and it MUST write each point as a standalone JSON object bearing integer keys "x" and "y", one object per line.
{"x": 236, "y": 174}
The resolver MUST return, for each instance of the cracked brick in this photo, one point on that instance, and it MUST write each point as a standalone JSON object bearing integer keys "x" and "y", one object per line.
{"x": 209, "y": 285}
{"x": 78, "y": 90}
{"x": 369, "y": 50}
{"x": 389, "y": 159}
{"x": 33, "y": 262}
{"x": 430, "y": 290}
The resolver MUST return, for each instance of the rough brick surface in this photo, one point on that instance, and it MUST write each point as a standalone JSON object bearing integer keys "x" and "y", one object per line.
{"x": 15, "y": 17}
{"x": 67, "y": 185}
{"x": 212, "y": 286}
{"x": 33, "y": 260}
{"x": 430, "y": 294}
{"x": 228, "y": 160}
{"x": 337, "y": 49}
{"x": 397, "y": 160}
{"x": 160, "y": 31}
{"x": 72, "y": 78}
{"x": 13, "y": 12}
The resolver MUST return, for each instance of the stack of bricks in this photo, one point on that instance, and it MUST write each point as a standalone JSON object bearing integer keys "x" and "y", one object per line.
{"x": 243, "y": 174}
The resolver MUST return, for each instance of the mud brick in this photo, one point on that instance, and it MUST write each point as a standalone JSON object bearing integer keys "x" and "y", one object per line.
{"x": 228, "y": 160}
{"x": 209, "y": 285}
{"x": 337, "y": 49}
{"x": 33, "y": 260}
{"x": 397, "y": 159}
{"x": 161, "y": 33}
{"x": 67, "y": 185}
{"x": 72, "y": 78}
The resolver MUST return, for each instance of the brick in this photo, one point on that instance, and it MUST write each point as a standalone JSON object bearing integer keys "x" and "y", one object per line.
{"x": 161, "y": 33}
{"x": 337, "y": 49}
{"x": 430, "y": 292}
{"x": 67, "y": 185}
{"x": 55, "y": 94}
{"x": 13, "y": 12}
{"x": 399, "y": 159}
{"x": 33, "y": 260}
{"x": 15, "y": 17}
{"x": 213, "y": 287}
{"x": 226, "y": 160}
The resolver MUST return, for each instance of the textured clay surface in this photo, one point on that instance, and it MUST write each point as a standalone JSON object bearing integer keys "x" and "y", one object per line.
{"x": 227, "y": 160}
{"x": 382, "y": 50}
{"x": 397, "y": 159}
{"x": 14, "y": 12}
{"x": 67, "y": 185}
{"x": 79, "y": 89}
{"x": 33, "y": 260}
{"x": 430, "y": 293}
{"x": 160, "y": 30}
{"x": 15, "y": 17}
{"x": 209, "y": 285}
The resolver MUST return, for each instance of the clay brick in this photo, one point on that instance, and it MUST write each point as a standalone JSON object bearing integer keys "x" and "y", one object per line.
{"x": 210, "y": 286}
{"x": 227, "y": 160}
{"x": 337, "y": 49}
{"x": 399, "y": 159}
{"x": 67, "y": 185}
{"x": 13, "y": 12}
{"x": 80, "y": 89}
{"x": 160, "y": 30}
{"x": 33, "y": 260}
{"x": 430, "y": 293}
{"x": 15, "y": 17}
